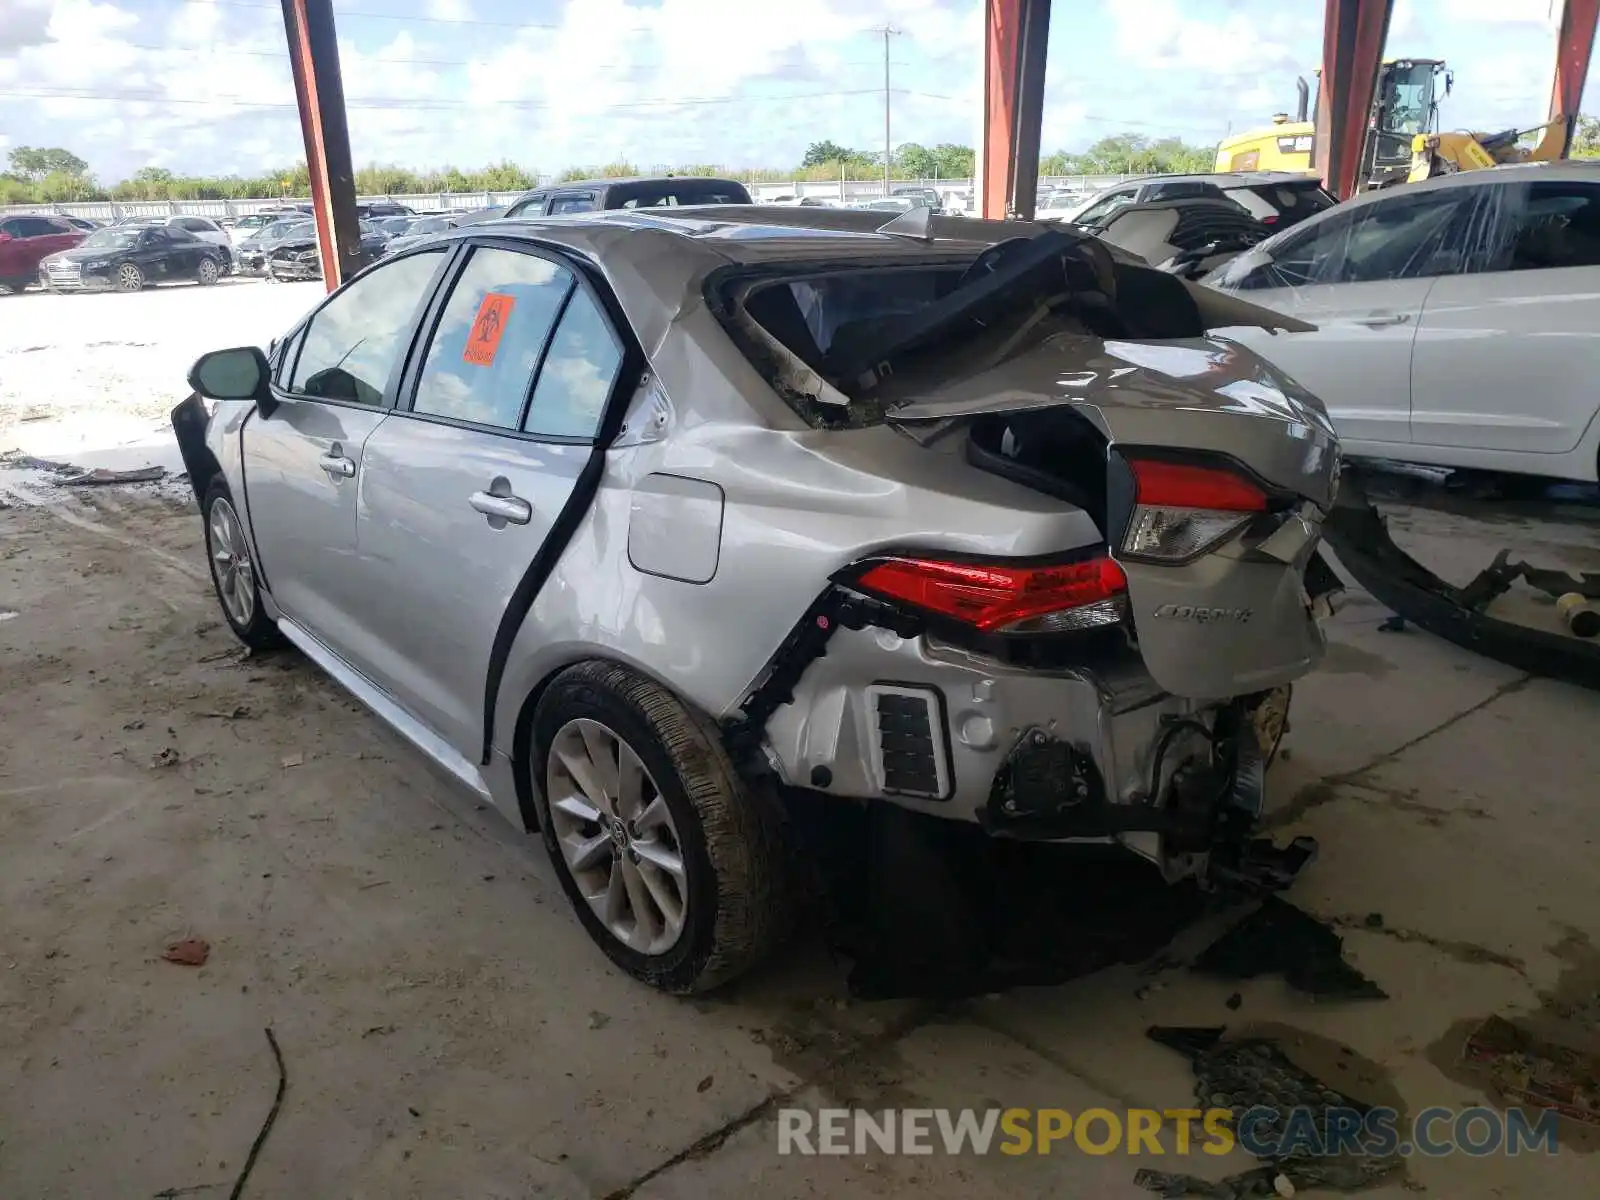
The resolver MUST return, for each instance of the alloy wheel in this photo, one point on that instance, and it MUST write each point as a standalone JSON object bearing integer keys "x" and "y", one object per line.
{"x": 617, "y": 836}
{"x": 128, "y": 278}
{"x": 230, "y": 563}
{"x": 208, "y": 271}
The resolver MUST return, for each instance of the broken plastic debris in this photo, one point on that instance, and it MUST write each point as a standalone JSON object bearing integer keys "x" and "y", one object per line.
{"x": 293, "y": 760}
{"x": 100, "y": 476}
{"x": 1245, "y": 1073}
{"x": 190, "y": 952}
{"x": 1280, "y": 939}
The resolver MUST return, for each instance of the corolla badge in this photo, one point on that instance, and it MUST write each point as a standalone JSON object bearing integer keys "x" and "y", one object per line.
{"x": 1202, "y": 615}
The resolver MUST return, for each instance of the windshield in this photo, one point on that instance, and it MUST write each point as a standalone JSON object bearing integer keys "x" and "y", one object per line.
{"x": 430, "y": 225}
{"x": 287, "y": 229}
{"x": 1406, "y": 99}
{"x": 110, "y": 238}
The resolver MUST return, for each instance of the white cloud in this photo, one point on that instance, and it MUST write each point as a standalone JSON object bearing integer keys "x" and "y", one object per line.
{"x": 206, "y": 87}
{"x": 1507, "y": 12}
{"x": 23, "y": 23}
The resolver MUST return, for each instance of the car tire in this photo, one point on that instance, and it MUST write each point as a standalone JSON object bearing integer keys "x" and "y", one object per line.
{"x": 129, "y": 278}
{"x": 207, "y": 272}
{"x": 233, "y": 573}
{"x": 733, "y": 899}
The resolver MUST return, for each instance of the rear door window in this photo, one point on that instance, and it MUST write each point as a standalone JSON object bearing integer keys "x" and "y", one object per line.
{"x": 1178, "y": 191}
{"x": 1537, "y": 226}
{"x": 572, "y": 202}
{"x": 1105, "y": 206}
{"x": 533, "y": 206}
{"x": 579, "y": 370}
{"x": 491, "y": 337}
{"x": 668, "y": 193}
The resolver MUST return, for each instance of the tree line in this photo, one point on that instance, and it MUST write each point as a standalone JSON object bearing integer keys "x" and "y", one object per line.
{"x": 52, "y": 175}
{"x": 48, "y": 175}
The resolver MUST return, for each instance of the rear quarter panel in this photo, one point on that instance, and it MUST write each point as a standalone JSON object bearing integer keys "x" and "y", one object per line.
{"x": 799, "y": 504}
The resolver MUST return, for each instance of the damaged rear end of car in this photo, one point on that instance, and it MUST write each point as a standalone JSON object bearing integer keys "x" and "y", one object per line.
{"x": 1130, "y": 683}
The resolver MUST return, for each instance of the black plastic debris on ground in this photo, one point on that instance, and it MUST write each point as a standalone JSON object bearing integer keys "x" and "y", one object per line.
{"x": 1252, "y": 1075}
{"x": 1280, "y": 939}
{"x": 935, "y": 909}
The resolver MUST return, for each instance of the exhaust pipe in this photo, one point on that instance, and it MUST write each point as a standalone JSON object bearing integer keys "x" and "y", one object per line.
{"x": 1304, "y": 104}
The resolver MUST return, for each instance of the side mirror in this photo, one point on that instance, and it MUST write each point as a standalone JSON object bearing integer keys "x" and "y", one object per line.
{"x": 241, "y": 373}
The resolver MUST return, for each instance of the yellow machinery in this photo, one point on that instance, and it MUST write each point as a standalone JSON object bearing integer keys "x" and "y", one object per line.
{"x": 1446, "y": 153}
{"x": 1405, "y": 106}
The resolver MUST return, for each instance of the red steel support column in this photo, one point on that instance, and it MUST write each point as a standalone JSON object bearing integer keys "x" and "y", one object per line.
{"x": 1002, "y": 51}
{"x": 1016, "y": 35}
{"x": 1574, "y": 46}
{"x": 1352, "y": 49}
{"x": 319, "y": 92}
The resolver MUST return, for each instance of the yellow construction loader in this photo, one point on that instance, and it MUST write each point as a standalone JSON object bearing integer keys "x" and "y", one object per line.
{"x": 1446, "y": 153}
{"x": 1405, "y": 106}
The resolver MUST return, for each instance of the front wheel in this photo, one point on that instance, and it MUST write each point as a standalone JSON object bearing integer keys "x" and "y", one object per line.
{"x": 233, "y": 571}
{"x": 676, "y": 869}
{"x": 129, "y": 278}
{"x": 206, "y": 274}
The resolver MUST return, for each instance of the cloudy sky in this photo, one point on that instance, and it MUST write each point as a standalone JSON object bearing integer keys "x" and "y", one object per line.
{"x": 203, "y": 85}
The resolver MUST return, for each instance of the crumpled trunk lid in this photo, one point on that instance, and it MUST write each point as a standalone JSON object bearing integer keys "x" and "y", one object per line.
{"x": 1234, "y": 619}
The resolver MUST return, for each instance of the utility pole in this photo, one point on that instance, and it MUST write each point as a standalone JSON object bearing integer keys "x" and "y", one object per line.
{"x": 888, "y": 31}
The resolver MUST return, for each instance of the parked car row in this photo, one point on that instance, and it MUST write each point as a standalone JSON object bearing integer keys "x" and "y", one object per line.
{"x": 58, "y": 255}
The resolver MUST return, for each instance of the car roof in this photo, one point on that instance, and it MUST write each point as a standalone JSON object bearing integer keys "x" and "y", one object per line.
{"x": 1570, "y": 170}
{"x": 754, "y": 233}
{"x": 637, "y": 181}
{"x": 1225, "y": 179}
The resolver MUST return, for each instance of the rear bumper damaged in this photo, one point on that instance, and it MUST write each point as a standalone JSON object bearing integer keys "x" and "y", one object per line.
{"x": 1070, "y": 755}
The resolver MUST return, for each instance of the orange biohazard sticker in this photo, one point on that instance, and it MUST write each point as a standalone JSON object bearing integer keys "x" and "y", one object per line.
{"x": 487, "y": 328}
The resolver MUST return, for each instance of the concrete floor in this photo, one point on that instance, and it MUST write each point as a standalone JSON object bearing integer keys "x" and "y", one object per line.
{"x": 449, "y": 1031}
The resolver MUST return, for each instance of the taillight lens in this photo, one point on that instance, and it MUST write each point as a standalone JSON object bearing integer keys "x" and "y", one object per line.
{"x": 1181, "y": 510}
{"x": 992, "y": 598}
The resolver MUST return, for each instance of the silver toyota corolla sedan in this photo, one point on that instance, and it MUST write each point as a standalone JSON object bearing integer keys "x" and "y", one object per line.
{"x": 639, "y": 522}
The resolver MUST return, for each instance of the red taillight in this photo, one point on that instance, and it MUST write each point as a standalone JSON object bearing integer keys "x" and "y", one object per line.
{"x": 1182, "y": 510}
{"x": 1186, "y": 485}
{"x": 1005, "y": 599}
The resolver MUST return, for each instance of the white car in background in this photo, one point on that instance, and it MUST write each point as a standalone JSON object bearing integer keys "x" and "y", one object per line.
{"x": 1458, "y": 320}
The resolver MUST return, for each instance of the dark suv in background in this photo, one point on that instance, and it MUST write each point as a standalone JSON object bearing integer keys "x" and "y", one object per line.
{"x": 585, "y": 195}
{"x": 1278, "y": 199}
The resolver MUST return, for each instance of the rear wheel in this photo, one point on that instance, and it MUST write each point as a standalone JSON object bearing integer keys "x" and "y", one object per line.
{"x": 129, "y": 278}
{"x": 675, "y": 867}
{"x": 206, "y": 274}
{"x": 233, "y": 571}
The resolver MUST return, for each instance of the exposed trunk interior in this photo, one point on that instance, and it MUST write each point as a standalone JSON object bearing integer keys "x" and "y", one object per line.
{"x": 1055, "y": 451}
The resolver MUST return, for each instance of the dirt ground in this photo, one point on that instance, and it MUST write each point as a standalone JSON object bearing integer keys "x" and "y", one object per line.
{"x": 446, "y": 1027}
{"x": 448, "y": 1030}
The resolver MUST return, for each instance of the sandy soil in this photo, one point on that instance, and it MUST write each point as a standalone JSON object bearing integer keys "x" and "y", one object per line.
{"x": 448, "y": 1030}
